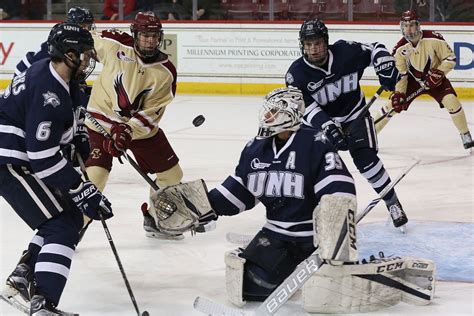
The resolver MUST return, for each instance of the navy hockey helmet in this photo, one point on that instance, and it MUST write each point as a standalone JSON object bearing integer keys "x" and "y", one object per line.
{"x": 81, "y": 16}
{"x": 147, "y": 22}
{"x": 282, "y": 110}
{"x": 68, "y": 37}
{"x": 312, "y": 29}
{"x": 410, "y": 17}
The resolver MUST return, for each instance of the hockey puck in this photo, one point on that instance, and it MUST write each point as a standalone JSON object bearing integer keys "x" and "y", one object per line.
{"x": 145, "y": 313}
{"x": 198, "y": 120}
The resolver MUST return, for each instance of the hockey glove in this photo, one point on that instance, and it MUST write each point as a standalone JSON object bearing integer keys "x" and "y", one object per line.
{"x": 90, "y": 201}
{"x": 335, "y": 135}
{"x": 434, "y": 78}
{"x": 399, "y": 101}
{"x": 387, "y": 73}
{"x": 121, "y": 137}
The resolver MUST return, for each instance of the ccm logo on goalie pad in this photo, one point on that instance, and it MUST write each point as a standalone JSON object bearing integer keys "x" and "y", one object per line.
{"x": 352, "y": 229}
{"x": 390, "y": 267}
{"x": 292, "y": 285}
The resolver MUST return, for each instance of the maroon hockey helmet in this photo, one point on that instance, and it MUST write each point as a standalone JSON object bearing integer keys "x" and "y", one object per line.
{"x": 409, "y": 15}
{"x": 147, "y": 22}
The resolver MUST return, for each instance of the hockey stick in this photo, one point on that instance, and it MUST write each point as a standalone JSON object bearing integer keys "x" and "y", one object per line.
{"x": 408, "y": 99}
{"x": 365, "y": 110}
{"x": 127, "y": 156}
{"x": 114, "y": 249}
{"x": 310, "y": 265}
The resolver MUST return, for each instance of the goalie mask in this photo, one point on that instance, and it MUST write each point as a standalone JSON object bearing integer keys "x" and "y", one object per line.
{"x": 410, "y": 26}
{"x": 147, "y": 34}
{"x": 282, "y": 110}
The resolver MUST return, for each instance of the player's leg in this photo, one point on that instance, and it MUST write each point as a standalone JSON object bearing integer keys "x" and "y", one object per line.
{"x": 412, "y": 86}
{"x": 155, "y": 155}
{"x": 362, "y": 143}
{"x": 60, "y": 235}
{"x": 253, "y": 274}
{"x": 385, "y": 113}
{"x": 98, "y": 167}
{"x": 39, "y": 208}
{"x": 447, "y": 98}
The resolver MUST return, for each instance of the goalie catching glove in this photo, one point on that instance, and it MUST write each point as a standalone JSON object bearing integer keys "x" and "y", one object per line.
{"x": 182, "y": 207}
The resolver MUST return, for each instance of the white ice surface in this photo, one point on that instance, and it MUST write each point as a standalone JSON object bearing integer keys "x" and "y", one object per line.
{"x": 166, "y": 276}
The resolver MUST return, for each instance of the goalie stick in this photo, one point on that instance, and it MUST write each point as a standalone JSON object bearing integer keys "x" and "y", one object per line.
{"x": 303, "y": 271}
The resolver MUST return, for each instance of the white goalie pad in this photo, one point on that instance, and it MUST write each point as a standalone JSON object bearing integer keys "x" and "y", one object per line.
{"x": 371, "y": 286}
{"x": 234, "y": 277}
{"x": 335, "y": 228}
{"x": 177, "y": 208}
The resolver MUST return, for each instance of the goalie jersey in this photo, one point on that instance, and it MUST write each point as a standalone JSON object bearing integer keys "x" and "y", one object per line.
{"x": 130, "y": 90}
{"x": 335, "y": 93}
{"x": 288, "y": 181}
{"x": 38, "y": 115}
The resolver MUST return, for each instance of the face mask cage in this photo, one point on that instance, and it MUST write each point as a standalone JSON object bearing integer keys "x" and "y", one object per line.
{"x": 410, "y": 37}
{"x": 281, "y": 111}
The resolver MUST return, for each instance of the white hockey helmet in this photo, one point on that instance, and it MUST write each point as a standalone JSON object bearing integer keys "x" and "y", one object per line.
{"x": 282, "y": 110}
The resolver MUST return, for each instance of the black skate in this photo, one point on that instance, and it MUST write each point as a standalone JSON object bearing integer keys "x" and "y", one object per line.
{"x": 467, "y": 140}
{"x": 399, "y": 217}
{"x": 152, "y": 231}
{"x": 20, "y": 281}
{"x": 40, "y": 306}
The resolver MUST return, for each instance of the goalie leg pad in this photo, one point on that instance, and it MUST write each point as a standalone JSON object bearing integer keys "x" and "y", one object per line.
{"x": 419, "y": 274}
{"x": 371, "y": 286}
{"x": 335, "y": 228}
{"x": 234, "y": 277}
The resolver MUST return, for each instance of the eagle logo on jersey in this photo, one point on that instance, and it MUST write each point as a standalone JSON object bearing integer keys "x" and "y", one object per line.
{"x": 51, "y": 98}
{"x": 127, "y": 108}
{"x": 121, "y": 55}
{"x": 420, "y": 75}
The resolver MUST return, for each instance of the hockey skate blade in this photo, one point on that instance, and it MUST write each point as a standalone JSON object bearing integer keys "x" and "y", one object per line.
{"x": 403, "y": 229}
{"x": 157, "y": 235}
{"x": 15, "y": 303}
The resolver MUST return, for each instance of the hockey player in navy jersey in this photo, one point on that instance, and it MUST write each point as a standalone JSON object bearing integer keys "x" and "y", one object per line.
{"x": 38, "y": 116}
{"x": 328, "y": 76}
{"x": 77, "y": 15}
{"x": 286, "y": 168}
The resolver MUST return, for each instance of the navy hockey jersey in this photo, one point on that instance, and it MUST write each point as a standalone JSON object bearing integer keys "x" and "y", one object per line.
{"x": 335, "y": 93}
{"x": 38, "y": 115}
{"x": 289, "y": 181}
{"x": 30, "y": 58}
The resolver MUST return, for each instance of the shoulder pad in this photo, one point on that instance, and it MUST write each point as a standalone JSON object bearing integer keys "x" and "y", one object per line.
{"x": 400, "y": 43}
{"x": 432, "y": 34}
{"x": 117, "y": 35}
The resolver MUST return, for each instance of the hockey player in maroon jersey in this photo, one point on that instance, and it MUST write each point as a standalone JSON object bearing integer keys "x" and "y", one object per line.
{"x": 423, "y": 58}
{"x": 129, "y": 99}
